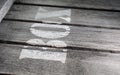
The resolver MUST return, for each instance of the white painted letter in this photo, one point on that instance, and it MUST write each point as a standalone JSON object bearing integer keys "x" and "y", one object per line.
{"x": 49, "y": 34}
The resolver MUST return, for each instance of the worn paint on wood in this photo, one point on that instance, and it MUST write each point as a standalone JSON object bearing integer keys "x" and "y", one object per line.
{"x": 62, "y": 15}
{"x": 4, "y": 7}
{"x": 35, "y": 60}
{"x": 97, "y": 38}
{"x": 97, "y": 4}
{"x": 45, "y": 55}
{"x": 77, "y": 62}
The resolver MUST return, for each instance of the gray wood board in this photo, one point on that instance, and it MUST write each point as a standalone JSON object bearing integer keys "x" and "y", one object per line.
{"x": 97, "y": 4}
{"x": 4, "y": 7}
{"x": 2, "y": 2}
{"x": 62, "y": 15}
{"x": 74, "y": 36}
{"x": 76, "y": 62}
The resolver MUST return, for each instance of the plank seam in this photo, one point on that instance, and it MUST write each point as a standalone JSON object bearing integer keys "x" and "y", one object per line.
{"x": 68, "y": 24}
{"x": 68, "y": 47}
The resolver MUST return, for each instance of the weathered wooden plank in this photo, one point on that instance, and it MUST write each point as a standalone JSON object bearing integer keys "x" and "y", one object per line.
{"x": 60, "y": 35}
{"x": 62, "y": 15}
{"x": 4, "y": 7}
{"x": 76, "y": 62}
{"x": 6, "y": 74}
{"x": 97, "y": 4}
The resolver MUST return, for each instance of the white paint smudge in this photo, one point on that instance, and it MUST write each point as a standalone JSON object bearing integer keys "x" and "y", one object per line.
{"x": 68, "y": 19}
{"x": 50, "y": 14}
{"x": 49, "y": 34}
{"x": 56, "y": 43}
{"x": 65, "y": 50}
{"x": 45, "y": 55}
{"x": 45, "y": 48}
{"x": 26, "y": 46}
{"x": 55, "y": 22}
{"x": 35, "y": 42}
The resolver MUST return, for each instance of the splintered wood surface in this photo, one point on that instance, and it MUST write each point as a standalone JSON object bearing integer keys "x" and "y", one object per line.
{"x": 61, "y": 37}
{"x": 20, "y": 60}
{"x": 4, "y": 7}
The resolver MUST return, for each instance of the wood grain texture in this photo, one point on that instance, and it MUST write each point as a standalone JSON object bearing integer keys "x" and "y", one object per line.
{"x": 97, "y": 38}
{"x": 62, "y": 15}
{"x": 77, "y": 63}
{"x": 74, "y": 37}
{"x": 97, "y": 4}
{"x": 4, "y": 7}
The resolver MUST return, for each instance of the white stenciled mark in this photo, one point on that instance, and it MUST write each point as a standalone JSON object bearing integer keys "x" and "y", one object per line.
{"x": 38, "y": 30}
{"x": 65, "y": 50}
{"x": 45, "y": 55}
{"x": 26, "y": 46}
{"x": 44, "y": 48}
{"x": 49, "y": 34}
{"x": 68, "y": 19}
{"x": 55, "y": 22}
{"x": 50, "y": 14}
{"x": 56, "y": 43}
{"x": 36, "y": 42}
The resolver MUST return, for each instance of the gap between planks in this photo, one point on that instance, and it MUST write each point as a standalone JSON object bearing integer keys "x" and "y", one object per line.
{"x": 67, "y": 24}
{"x": 70, "y": 48}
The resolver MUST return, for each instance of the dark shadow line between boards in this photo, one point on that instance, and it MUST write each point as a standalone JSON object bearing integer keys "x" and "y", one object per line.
{"x": 68, "y": 47}
{"x": 68, "y": 24}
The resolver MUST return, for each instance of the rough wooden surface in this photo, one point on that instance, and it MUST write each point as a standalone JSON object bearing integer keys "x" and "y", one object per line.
{"x": 4, "y": 7}
{"x": 97, "y": 38}
{"x": 97, "y": 4}
{"x": 76, "y": 63}
{"x": 62, "y": 15}
{"x": 61, "y": 37}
